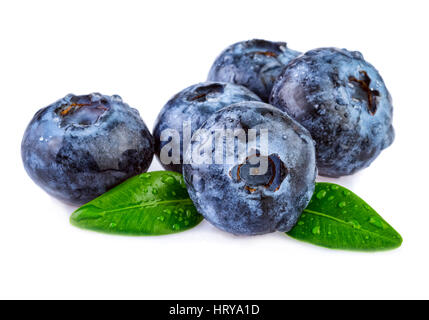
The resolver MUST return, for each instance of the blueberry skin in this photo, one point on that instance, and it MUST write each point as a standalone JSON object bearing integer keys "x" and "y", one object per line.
{"x": 342, "y": 100}
{"x": 232, "y": 200}
{"x": 255, "y": 64}
{"x": 81, "y": 146}
{"x": 196, "y": 104}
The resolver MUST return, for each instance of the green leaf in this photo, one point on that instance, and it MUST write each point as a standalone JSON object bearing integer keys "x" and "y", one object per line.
{"x": 154, "y": 203}
{"x": 336, "y": 218}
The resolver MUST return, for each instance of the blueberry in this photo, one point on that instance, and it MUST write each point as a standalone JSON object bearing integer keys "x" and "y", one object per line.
{"x": 228, "y": 182}
{"x": 255, "y": 64}
{"x": 194, "y": 104}
{"x": 81, "y": 146}
{"x": 342, "y": 100}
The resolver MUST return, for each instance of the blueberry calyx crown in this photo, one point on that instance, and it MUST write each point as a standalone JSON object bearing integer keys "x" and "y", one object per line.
{"x": 371, "y": 94}
{"x": 249, "y": 172}
{"x": 267, "y": 53}
{"x": 201, "y": 93}
{"x": 83, "y": 110}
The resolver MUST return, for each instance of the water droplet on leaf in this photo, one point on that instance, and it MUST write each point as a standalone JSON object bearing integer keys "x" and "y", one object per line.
{"x": 116, "y": 98}
{"x": 168, "y": 180}
{"x": 316, "y": 230}
{"x": 321, "y": 194}
{"x": 355, "y": 224}
{"x": 342, "y": 204}
{"x": 376, "y": 222}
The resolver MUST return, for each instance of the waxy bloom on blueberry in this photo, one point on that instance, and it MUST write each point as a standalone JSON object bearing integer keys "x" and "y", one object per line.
{"x": 81, "y": 146}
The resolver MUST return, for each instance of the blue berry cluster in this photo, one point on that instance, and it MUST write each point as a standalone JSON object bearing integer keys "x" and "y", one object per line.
{"x": 325, "y": 111}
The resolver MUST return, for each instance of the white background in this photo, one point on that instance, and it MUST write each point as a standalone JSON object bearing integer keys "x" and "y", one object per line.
{"x": 146, "y": 51}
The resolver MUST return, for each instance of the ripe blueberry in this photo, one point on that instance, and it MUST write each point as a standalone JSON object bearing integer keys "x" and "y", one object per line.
{"x": 239, "y": 194}
{"x": 342, "y": 100}
{"x": 81, "y": 146}
{"x": 255, "y": 64}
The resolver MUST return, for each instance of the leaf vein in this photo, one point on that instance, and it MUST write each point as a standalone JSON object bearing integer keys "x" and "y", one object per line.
{"x": 146, "y": 204}
{"x": 316, "y": 213}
